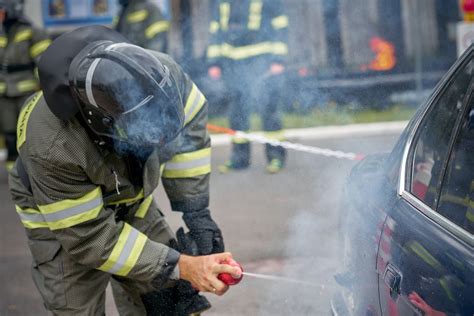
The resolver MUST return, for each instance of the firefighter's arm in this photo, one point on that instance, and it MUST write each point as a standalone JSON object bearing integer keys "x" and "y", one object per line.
{"x": 73, "y": 209}
{"x": 279, "y": 29}
{"x": 156, "y": 29}
{"x": 39, "y": 43}
{"x": 217, "y": 28}
{"x": 186, "y": 175}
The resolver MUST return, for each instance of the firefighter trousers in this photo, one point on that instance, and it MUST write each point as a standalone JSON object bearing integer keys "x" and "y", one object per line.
{"x": 69, "y": 288}
{"x": 9, "y": 111}
{"x": 252, "y": 88}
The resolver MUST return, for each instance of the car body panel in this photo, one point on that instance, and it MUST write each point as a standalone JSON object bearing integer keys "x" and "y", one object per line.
{"x": 402, "y": 257}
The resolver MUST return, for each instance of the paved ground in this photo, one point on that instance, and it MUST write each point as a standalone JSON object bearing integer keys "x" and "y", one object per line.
{"x": 284, "y": 224}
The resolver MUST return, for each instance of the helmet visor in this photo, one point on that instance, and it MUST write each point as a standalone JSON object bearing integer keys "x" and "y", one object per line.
{"x": 138, "y": 92}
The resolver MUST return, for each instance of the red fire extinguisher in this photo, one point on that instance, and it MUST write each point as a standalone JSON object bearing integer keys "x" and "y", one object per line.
{"x": 227, "y": 278}
{"x": 422, "y": 178}
{"x": 467, "y": 7}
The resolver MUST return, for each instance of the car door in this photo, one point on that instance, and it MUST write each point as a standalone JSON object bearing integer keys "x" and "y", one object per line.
{"x": 425, "y": 258}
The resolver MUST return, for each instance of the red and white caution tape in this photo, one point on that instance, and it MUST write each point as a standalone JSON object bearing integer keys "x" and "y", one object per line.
{"x": 261, "y": 139}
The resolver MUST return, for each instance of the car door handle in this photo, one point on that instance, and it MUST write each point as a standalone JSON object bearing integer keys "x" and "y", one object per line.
{"x": 393, "y": 279}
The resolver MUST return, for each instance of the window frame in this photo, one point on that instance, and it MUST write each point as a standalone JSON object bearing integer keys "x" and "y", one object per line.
{"x": 404, "y": 184}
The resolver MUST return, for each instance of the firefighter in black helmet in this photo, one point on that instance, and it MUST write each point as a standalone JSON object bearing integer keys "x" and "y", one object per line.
{"x": 21, "y": 46}
{"x": 143, "y": 24}
{"x": 112, "y": 119}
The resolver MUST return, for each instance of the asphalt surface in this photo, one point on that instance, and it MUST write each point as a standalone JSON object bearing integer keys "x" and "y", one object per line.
{"x": 283, "y": 224}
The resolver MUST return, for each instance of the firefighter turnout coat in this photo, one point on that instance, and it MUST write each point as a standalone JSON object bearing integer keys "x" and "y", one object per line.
{"x": 89, "y": 213}
{"x": 246, "y": 29}
{"x": 20, "y": 50}
{"x": 143, "y": 24}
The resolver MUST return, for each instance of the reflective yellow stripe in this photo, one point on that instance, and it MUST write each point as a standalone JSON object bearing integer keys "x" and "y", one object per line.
{"x": 68, "y": 213}
{"x": 39, "y": 47}
{"x": 126, "y": 252}
{"x": 224, "y": 9}
{"x": 23, "y": 36}
{"x": 255, "y": 17}
{"x": 31, "y": 218}
{"x": 213, "y": 51}
{"x": 213, "y": 27}
{"x": 3, "y": 41}
{"x": 240, "y": 140}
{"x": 470, "y": 215}
{"x": 276, "y": 135}
{"x": 445, "y": 285}
{"x": 194, "y": 104}
{"x": 457, "y": 200}
{"x": 24, "y": 117}
{"x": 191, "y": 164}
{"x": 156, "y": 28}
{"x": 27, "y": 85}
{"x": 242, "y": 52}
{"x": 129, "y": 200}
{"x": 144, "y": 206}
{"x": 137, "y": 16}
{"x": 280, "y": 22}
{"x": 115, "y": 21}
{"x": 418, "y": 249}
{"x": 3, "y": 87}
{"x": 9, "y": 165}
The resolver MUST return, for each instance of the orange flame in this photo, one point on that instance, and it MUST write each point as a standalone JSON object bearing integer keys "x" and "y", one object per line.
{"x": 384, "y": 55}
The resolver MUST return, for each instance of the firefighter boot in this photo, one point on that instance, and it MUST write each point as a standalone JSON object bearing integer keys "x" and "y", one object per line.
{"x": 179, "y": 300}
{"x": 240, "y": 158}
{"x": 276, "y": 157}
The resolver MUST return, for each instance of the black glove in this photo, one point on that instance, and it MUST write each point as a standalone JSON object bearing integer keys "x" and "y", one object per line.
{"x": 204, "y": 231}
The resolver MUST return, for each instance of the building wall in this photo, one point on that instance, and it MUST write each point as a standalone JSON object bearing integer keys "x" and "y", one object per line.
{"x": 33, "y": 11}
{"x": 359, "y": 21}
{"x": 420, "y": 26}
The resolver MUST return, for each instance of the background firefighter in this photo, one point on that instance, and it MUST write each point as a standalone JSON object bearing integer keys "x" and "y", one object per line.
{"x": 143, "y": 24}
{"x": 248, "y": 46}
{"x": 21, "y": 46}
{"x": 111, "y": 119}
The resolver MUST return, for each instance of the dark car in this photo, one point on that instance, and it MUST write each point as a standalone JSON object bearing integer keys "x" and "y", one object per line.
{"x": 408, "y": 215}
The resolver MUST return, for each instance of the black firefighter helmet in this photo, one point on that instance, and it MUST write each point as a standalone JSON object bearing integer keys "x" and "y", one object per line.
{"x": 122, "y": 91}
{"x": 13, "y": 8}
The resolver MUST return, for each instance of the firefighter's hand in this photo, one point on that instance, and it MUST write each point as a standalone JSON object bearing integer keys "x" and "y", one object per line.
{"x": 416, "y": 300}
{"x": 202, "y": 272}
{"x": 277, "y": 69}
{"x": 215, "y": 72}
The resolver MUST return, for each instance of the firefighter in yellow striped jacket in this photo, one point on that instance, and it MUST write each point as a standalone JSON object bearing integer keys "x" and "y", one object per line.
{"x": 248, "y": 48}
{"x": 21, "y": 45}
{"x": 143, "y": 24}
{"x": 111, "y": 120}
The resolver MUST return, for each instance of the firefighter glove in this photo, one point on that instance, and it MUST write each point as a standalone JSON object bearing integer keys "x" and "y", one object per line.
{"x": 204, "y": 232}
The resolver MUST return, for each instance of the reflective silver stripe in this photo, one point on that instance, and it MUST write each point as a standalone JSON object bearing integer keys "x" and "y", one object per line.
{"x": 90, "y": 74}
{"x": 126, "y": 251}
{"x": 31, "y": 217}
{"x": 188, "y": 164}
{"x": 76, "y": 210}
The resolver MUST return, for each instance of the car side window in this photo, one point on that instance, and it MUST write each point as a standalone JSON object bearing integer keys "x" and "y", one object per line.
{"x": 431, "y": 144}
{"x": 457, "y": 192}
